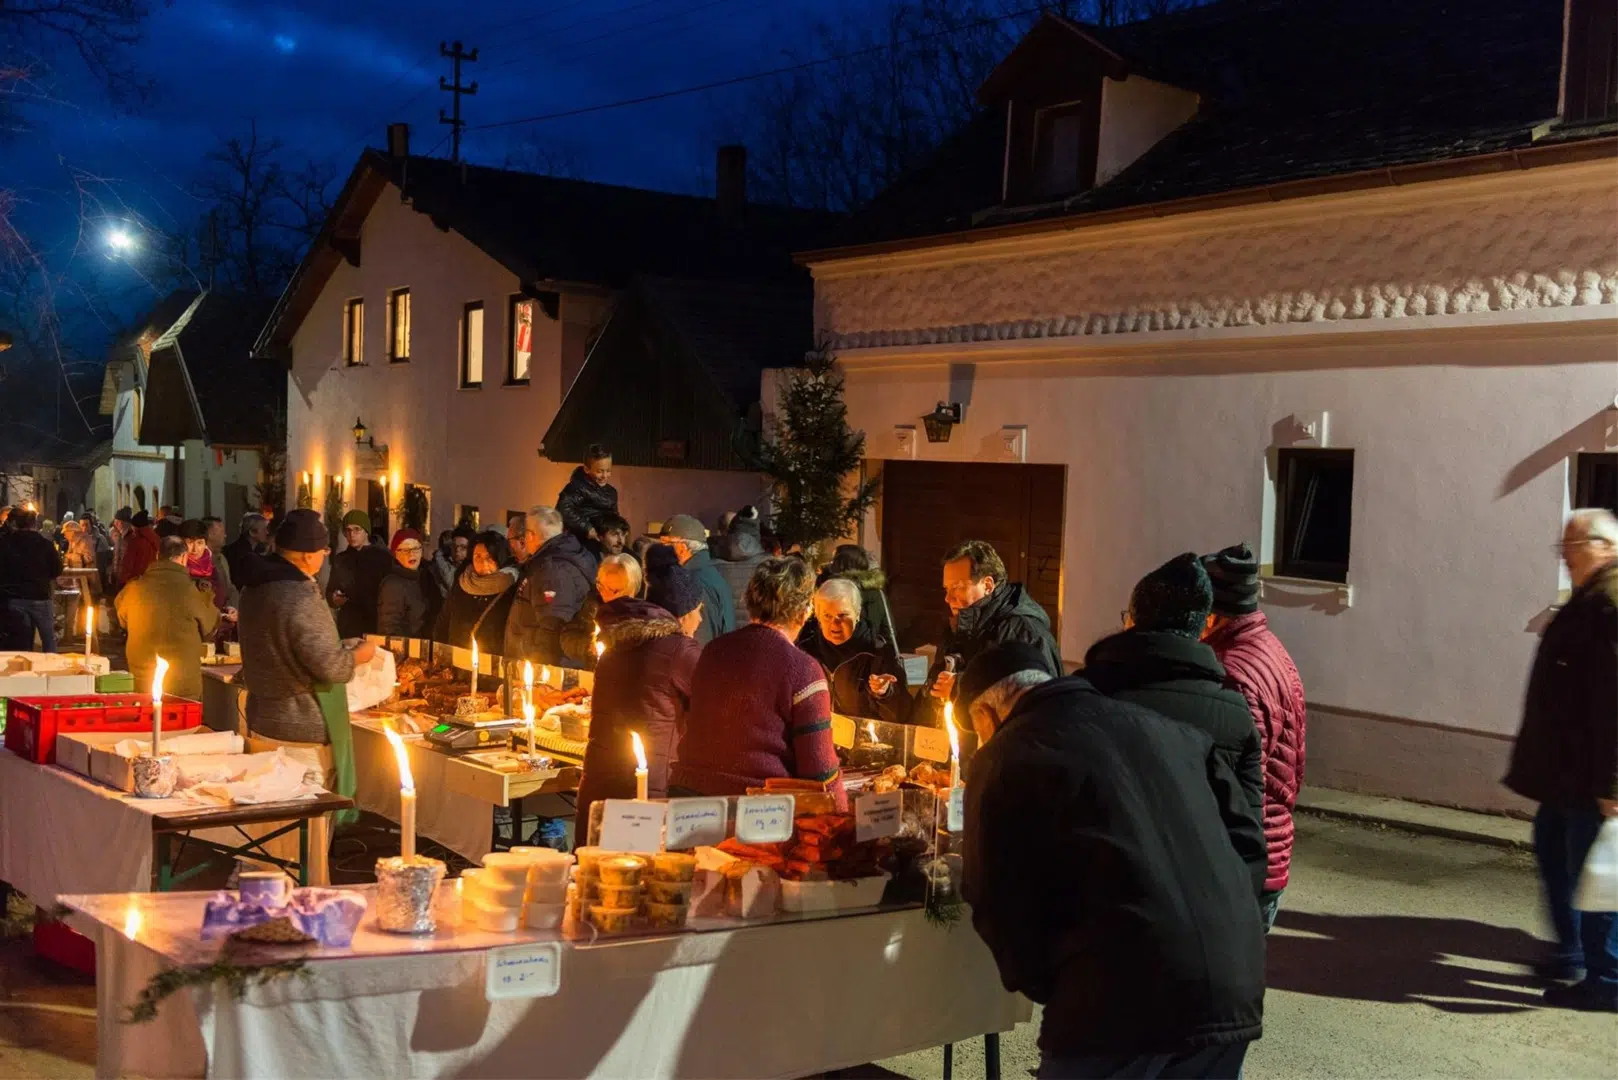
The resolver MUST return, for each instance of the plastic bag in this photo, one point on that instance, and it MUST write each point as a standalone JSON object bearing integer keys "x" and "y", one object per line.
{"x": 1598, "y": 882}
{"x": 373, "y": 682}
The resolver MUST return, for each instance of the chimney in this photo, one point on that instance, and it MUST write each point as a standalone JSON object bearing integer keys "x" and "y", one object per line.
{"x": 398, "y": 141}
{"x": 730, "y": 183}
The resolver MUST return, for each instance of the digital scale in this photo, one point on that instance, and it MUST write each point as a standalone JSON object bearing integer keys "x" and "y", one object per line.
{"x": 453, "y": 736}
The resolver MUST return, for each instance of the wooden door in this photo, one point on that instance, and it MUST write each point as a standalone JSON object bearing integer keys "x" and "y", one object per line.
{"x": 928, "y": 507}
{"x": 376, "y": 507}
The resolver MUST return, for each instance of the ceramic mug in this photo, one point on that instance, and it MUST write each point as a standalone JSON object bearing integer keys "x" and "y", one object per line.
{"x": 266, "y": 888}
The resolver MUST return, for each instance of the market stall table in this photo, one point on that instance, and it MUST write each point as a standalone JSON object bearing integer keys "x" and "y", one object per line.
{"x": 787, "y": 998}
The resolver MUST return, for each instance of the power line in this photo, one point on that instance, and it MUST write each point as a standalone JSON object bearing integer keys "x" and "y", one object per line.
{"x": 738, "y": 79}
{"x": 456, "y": 124}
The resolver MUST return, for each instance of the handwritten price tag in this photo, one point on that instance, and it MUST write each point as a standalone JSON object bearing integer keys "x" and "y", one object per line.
{"x": 930, "y": 744}
{"x": 876, "y": 816}
{"x": 520, "y": 971}
{"x": 694, "y": 822}
{"x": 956, "y": 817}
{"x": 629, "y": 825}
{"x": 764, "y": 819}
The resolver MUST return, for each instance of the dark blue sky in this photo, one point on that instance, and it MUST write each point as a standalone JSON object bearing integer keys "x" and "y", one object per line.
{"x": 326, "y": 77}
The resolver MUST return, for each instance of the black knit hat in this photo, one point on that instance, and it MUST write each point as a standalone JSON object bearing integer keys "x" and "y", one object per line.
{"x": 1175, "y": 597}
{"x": 1234, "y": 574}
{"x": 193, "y": 529}
{"x": 302, "y": 530}
{"x": 675, "y": 590}
{"x": 993, "y": 664}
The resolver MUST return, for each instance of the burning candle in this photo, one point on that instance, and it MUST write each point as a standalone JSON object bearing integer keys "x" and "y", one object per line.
{"x": 157, "y": 705}
{"x": 89, "y": 630}
{"x": 641, "y": 775}
{"x": 132, "y": 921}
{"x": 407, "y": 797}
{"x": 544, "y": 676}
{"x": 528, "y": 714}
{"x": 474, "y": 667}
{"x": 595, "y": 642}
{"x": 528, "y": 691}
{"x": 954, "y": 745}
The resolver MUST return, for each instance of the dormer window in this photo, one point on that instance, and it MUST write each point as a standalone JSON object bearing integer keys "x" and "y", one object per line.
{"x": 1058, "y": 151}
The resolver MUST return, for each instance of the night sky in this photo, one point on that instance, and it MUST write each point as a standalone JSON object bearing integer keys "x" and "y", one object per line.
{"x": 326, "y": 77}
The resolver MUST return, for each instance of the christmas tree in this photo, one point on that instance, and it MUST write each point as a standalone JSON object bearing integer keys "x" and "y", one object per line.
{"x": 812, "y": 454}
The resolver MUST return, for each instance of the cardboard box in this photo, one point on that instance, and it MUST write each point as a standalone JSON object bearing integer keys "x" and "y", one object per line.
{"x": 23, "y": 686}
{"x": 63, "y": 685}
{"x": 73, "y": 752}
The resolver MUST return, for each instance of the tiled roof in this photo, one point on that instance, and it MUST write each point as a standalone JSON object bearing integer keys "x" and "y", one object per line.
{"x": 736, "y": 330}
{"x": 1291, "y": 90}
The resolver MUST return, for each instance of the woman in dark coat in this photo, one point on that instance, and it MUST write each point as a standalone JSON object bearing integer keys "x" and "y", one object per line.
{"x": 643, "y": 684}
{"x": 866, "y": 678}
{"x": 480, "y": 599}
{"x": 854, "y": 563}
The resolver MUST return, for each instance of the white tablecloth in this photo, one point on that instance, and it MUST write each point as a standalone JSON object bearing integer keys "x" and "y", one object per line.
{"x": 782, "y": 1000}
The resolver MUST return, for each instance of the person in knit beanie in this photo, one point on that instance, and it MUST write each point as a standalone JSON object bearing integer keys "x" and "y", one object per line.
{"x": 1233, "y": 573}
{"x": 675, "y": 590}
{"x": 1176, "y": 598}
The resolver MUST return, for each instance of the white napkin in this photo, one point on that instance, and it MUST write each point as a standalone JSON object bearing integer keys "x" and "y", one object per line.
{"x": 277, "y": 778}
{"x": 373, "y": 682}
{"x": 205, "y": 742}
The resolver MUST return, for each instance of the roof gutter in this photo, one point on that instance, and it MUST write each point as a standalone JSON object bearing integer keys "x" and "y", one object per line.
{"x": 1389, "y": 176}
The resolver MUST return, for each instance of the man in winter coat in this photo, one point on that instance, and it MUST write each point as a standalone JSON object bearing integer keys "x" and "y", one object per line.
{"x": 866, "y": 678}
{"x": 1258, "y": 667}
{"x": 165, "y": 613}
{"x": 1161, "y": 663}
{"x": 689, "y": 540}
{"x": 588, "y": 494}
{"x": 1152, "y": 964}
{"x": 737, "y": 557}
{"x": 29, "y": 566}
{"x": 356, "y": 577}
{"x": 1566, "y": 758}
{"x": 253, "y": 540}
{"x": 984, "y": 609}
{"x": 401, "y": 603}
{"x": 554, "y": 583}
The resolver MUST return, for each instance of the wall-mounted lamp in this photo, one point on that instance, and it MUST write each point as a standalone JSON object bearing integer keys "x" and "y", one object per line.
{"x": 359, "y": 433}
{"x": 939, "y": 422}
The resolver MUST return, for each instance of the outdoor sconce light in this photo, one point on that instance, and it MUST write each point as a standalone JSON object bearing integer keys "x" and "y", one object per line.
{"x": 359, "y": 432}
{"x": 941, "y": 420}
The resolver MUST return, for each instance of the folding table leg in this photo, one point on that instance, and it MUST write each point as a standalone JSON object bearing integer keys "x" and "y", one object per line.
{"x": 303, "y": 851}
{"x": 991, "y": 1056}
{"x": 160, "y": 854}
{"x": 949, "y": 1061}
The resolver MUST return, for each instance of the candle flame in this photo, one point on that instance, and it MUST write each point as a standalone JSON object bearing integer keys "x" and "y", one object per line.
{"x": 640, "y": 751}
{"x": 545, "y": 676}
{"x": 528, "y": 676}
{"x": 161, "y": 670}
{"x": 870, "y": 729}
{"x": 954, "y": 742}
{"x": 949, "y": 714}
{"x": 528, "y": 713}
{"x": 132, "y": 922}
{"x": 600, "y": 648}
{"x": 406, "y": 781}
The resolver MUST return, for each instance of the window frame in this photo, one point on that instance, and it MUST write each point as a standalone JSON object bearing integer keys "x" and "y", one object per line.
{"x": 394, "y": 296}
{"x": 1078, "y": 108}
{"x": 1286, "y": 530}
{"x": 512, "y": 304}
{"x": 466, "y": 382}
{"x": 1586, "y": 464}
{"x": 354, "y": 331}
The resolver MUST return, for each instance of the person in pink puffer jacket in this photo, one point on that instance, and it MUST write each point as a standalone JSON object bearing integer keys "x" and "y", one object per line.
{"x": 1259, "y": 667}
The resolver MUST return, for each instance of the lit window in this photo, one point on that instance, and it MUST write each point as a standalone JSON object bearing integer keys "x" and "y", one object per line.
{"x": 354, "y": 332}
{"x": 522, "y": 340}
{"x": 1058, "y": 150}
{"x": 1314, "y": 499}
{"x": 399, "y": 326}
{"x": 472, "y": 345}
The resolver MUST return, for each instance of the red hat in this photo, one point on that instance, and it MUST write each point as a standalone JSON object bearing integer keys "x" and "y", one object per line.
{"x": 401, "y": 536}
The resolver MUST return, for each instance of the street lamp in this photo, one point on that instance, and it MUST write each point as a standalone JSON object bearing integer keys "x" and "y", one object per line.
{"x": 359, "y": 429}
{"x": 121, "y": 240}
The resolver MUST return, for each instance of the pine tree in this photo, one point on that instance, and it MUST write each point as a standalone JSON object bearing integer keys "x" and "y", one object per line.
{"x": 814, "y": 450}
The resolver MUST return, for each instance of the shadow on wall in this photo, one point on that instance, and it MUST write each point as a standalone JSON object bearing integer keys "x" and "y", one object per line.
{"x": 1587, "y": 435}
{"x": 1403, "y": 959}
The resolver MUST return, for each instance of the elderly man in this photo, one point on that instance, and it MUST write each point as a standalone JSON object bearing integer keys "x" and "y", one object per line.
{"x": 588, "y": 495}
{"x": 252, "y": 540}
{"x": 1566, "y": 758}
{"x": 1153, "y": 963}
{"x": 356, "y": 577}
{"x": 555, "y": 583}
{"x": 984, "y": 609}
{"x": 867, "y": 679}
{"x": 686, "y": 535}
{"x": 164, "y": 612}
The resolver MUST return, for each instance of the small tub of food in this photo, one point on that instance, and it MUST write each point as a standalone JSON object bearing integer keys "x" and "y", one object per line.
{"x": 666, "y": 916}
{"x": 493, "y": 891}
{"x": 544, "y": 916}
{"x": 620, "y": 870}
{"x": 549, "y": 871}
{"x": 674, "y": 866}
{"x": 497, "y": 920}
{"x": 669, "y": 892}
{"x": 610, "y": 920}
{"x": 547, "y": 894}
{"x": 589, "y": 858}
{"x": 619, "y": 896}
{"x": 508, "y": 867}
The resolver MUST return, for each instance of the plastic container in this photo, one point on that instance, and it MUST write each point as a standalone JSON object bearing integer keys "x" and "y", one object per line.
{"x": 620, "y": 870}
{"x": 619, "y": 896}
{"x": 543, "y": 916}
{"x": 589, "y": 858}
{"x": 547, "y": 894}
{"x": 668, "y": 892}
{"x": 674, "y": 866}
{"x": 496, "y": 920}
{"x": 32, "y": 723}
{"x": 666, "y": 916}
{"x": 491, "y": 890}
{"x": 506, "y": 867}
{"x": 833, "y": 895}
{"x": 612, "y": 920}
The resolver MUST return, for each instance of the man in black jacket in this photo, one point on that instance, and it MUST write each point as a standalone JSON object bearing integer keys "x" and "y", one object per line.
{"x": 1159, "y": 662}
{"x": 556, "y": 581}
{"x": 588, "y": 494}
{"x": 29, "y": 566}
{"x": 1566, "y": 758}
{"x": 356, "y": 577}
{"x": 1103, "y": 883}
{"x": 984, "y": 609}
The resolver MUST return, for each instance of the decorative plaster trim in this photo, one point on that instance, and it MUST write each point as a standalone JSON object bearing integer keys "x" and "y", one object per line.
{"x": 1019, "y": 341}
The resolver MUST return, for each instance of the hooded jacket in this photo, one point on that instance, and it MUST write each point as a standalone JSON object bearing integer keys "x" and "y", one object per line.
{"x": 1180, "y": 678}
{"x": 718, "y": 606}
{"x": 1258, "y": 667}
{"x": 848, "y": 669}
{"x": 736, "y": 557}
{"x": 643, "y": 683}
{"x": 358, "y": 574}
{"x": 1102, "y": 881}
{"x": 582, "y": 502}
{"x": 401, "y": 603}
{"x": 1007, "y": 614}
{"x": 165, "y": 614}
{"x": 289, "y": 645}
{"x": 556, "y": 581}
{"x": 1566, "y": 753}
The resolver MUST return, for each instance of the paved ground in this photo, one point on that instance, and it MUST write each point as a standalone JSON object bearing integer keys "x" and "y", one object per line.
{"x": 1396, "y": 955}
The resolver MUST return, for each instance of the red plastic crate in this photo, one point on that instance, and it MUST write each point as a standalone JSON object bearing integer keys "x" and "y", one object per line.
{"x": 32, "y": 723}
{"x": 60, "y": 943}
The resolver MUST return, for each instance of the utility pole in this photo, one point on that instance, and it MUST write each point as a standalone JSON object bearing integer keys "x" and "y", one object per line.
{"x": 455, "y": 122}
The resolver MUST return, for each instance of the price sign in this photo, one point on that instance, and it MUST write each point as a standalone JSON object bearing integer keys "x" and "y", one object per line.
{"x": 957, "y": 809}
{"x": 842, "y": 731}
{"x": 631, "y": 825}
{"x": 764, "y": 819}
{"x": 876, "y": 816}
{"x": 520, "y": 971}
{"x": 694, "y": 822}
{"x": 931, "y": 744}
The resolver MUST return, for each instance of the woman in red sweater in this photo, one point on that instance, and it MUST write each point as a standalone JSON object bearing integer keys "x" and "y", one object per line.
{"x": 760, "y": 707}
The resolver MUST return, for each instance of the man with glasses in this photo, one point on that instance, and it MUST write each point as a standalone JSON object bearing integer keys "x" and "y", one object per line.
{"x": 1566, "y": 759}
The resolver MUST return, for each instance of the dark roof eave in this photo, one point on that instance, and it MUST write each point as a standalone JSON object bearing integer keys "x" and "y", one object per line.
{"x": 1522, "y": 158}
